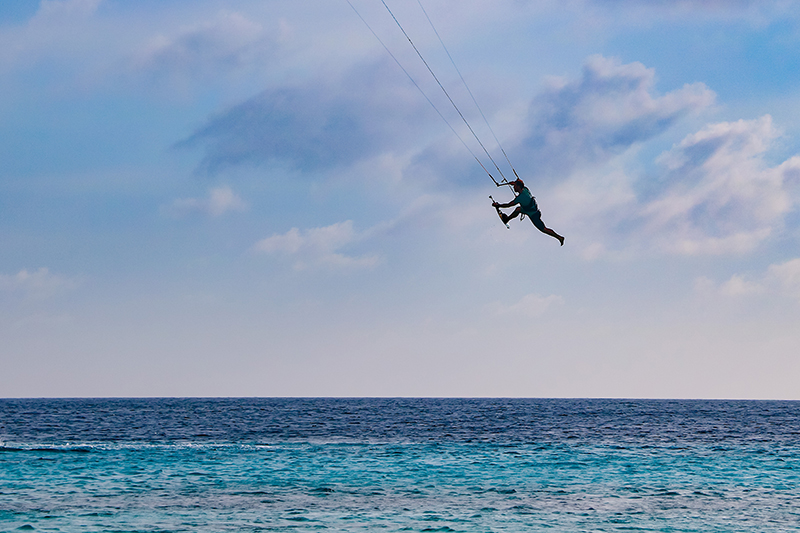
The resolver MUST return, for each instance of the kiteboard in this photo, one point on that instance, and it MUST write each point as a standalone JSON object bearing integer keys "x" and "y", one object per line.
{"x": 499, "y": 213}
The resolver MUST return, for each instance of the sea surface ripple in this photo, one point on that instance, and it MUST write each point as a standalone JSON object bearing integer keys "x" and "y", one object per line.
{"x": 399, "y": 464}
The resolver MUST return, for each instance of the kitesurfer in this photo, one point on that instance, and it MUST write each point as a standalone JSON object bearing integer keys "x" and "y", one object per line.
{"x": 526, "y": 205}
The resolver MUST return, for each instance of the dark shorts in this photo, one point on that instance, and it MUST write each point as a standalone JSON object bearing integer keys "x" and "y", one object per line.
{"x": 536, "y": 218}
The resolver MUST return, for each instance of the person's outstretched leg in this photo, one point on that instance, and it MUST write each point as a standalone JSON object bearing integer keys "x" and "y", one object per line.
{"x": 537, "y": 221}
{"x": 552, "y": 233}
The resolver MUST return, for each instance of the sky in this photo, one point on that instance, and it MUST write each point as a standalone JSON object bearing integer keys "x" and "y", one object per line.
{"x": 251, "y": 198}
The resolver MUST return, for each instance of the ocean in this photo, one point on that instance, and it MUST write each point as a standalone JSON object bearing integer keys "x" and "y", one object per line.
{"x": 399, "y": 464}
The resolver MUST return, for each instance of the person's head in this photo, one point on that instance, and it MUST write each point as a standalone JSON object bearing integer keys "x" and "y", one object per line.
{"x": 518, "y": 185}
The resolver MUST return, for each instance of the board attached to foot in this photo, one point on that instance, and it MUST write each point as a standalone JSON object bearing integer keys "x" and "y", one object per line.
{"x": 499, "y": 213}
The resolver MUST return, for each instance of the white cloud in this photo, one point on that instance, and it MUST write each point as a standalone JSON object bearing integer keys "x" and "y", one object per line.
{"x": 786, "y": 277}
{"x": 739, "y": 243}
{"x": 61, "y": 8}
{"x": 39, "y": 284}
{"x": 736, "y": 287}
{"x": 739, "y": 286}
{"x": 713, "y": 193}
{"x": 220, "y": 200}
{"x": 781, "y": 279}
{"x": 317, "y": 247}
{"x": 59, "y": 31}
{"x": 530, "y": 306}
{"x": 229, "y": 41}
{"x": 718, "y": 195}
{"x": 605, "y": 112}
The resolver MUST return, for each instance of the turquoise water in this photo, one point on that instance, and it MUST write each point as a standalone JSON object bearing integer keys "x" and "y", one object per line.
{"x": 398, "y": 465}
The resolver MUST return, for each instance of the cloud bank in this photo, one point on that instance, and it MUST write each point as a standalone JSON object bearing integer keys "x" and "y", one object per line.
{"x": 713, "y": 193}
{"x": 326, "y": 123}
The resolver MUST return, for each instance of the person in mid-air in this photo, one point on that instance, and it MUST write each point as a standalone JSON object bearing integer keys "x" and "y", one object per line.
{"x": 526, "y": 205}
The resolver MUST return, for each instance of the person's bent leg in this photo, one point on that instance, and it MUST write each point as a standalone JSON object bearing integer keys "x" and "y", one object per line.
{"x": 505, "y": 218}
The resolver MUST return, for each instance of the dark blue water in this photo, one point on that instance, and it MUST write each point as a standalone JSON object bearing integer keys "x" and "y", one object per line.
{"x": 399, "y": 465}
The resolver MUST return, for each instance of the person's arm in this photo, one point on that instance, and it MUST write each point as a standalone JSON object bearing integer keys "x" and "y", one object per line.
{"x": 509, "y": 204}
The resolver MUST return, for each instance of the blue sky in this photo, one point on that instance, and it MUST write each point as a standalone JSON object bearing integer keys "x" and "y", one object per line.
{"x": 247, "y": 198}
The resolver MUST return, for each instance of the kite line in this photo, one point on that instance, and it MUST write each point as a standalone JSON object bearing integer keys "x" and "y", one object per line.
{"x": 503, "y": 181}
